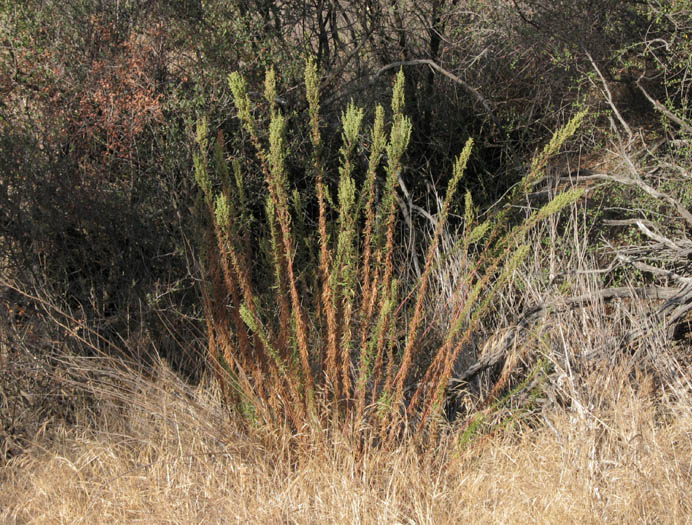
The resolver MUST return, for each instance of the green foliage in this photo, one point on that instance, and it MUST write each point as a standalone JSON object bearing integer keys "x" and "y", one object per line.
{"x": 560, "y": 202}
{"x": 241, "y": 99}
{"x": 341, "y": 328}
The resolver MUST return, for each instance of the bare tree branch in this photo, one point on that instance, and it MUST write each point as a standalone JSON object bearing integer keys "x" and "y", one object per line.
{"x": 683, "y": 298}
{"x": 609, "y": 96}
{"x": 660, "y": 107}
{"x": 684, "y": 213}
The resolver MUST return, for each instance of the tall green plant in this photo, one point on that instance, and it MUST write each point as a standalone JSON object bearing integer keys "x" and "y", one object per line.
{"x": 330, "y": 349}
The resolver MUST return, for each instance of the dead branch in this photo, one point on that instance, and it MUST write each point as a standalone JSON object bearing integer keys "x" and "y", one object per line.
{"x": 609, "y": 96}
{"x": 662, "y": 109}
{"x": 682, "y": 298}
{"x": 629, "y": 181}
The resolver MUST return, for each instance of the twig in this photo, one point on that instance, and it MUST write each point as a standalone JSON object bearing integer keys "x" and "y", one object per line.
{"x": 678, "y": 306}
{"x": 434, "y": 65}
{"x": 609, "y": 95}
{"x": 682, "y": 211}
{"x": 660, "y": 107}
{"x": 683, "y": 296}
{"x": 49, "y": 307}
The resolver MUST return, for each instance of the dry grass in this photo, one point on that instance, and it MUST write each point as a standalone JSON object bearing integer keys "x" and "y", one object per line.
{"x": 610, "y": 441}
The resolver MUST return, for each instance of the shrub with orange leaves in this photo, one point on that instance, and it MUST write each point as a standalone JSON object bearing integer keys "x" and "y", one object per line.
{"x": 121, "y": 99}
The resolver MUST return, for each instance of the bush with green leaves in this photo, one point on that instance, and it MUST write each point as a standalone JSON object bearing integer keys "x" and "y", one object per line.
{"x": 307, "y": 327}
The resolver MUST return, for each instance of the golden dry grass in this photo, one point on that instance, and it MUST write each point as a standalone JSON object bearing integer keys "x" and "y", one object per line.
{"x": 619, "y": 451}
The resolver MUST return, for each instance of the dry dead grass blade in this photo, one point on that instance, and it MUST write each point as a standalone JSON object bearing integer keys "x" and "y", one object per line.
{"x": 617, "y": 447}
